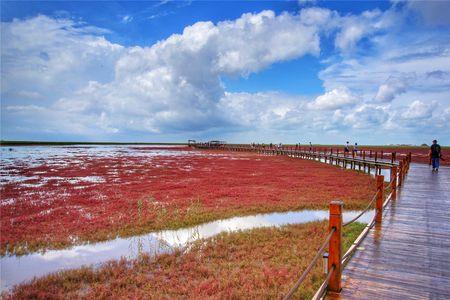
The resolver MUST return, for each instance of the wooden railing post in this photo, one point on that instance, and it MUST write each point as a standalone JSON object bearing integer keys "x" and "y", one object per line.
{"x": 405, "y": 167}
{"x": 394, "y": 182}
{"x": 335, "y": 246}
{"x": 380, "y": 197}
{"x": 400, "y": 173}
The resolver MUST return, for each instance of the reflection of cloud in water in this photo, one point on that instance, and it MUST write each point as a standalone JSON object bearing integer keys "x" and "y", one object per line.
{"x": 78, "y": 251}
{"x": 182, "y": 237}
{"x": 19, "y": 269}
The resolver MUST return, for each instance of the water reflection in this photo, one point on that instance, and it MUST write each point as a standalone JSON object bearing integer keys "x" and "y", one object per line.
{"x": 15, "y": 270}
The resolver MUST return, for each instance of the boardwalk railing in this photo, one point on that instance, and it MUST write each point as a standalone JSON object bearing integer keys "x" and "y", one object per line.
{"x": 357, "y": 160}
{"x": 333, "y": 241}
{"x": 336, "y": 261}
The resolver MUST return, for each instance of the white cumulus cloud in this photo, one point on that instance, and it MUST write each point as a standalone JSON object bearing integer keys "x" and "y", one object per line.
{"x": 334, "y": 99}
{"x": 418, "y": 110}
{"x": 48, "y": 58}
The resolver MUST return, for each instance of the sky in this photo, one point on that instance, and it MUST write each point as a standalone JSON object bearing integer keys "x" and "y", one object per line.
{"x": 241, "y": 71}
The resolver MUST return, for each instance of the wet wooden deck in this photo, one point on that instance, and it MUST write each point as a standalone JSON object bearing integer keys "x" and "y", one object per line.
{"x": 408, "y": 256}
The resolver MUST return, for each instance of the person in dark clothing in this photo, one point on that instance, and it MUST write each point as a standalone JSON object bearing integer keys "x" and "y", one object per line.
{"x": 435, "y": 155}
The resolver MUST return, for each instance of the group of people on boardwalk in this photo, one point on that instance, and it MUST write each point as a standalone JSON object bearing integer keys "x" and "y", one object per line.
{"x": 347, "y": 147}
{"x": 435, "y": 153}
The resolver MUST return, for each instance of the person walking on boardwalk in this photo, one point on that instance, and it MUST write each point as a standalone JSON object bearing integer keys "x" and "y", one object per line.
{"x": 347, "y": 147}
{"x": 435, "y": 155}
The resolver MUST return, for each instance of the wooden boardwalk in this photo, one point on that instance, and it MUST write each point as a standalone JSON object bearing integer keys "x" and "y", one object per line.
{"x": 408, "y": 255}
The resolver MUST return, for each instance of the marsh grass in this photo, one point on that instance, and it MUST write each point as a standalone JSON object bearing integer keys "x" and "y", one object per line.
{"x": 241, "y": 185}
{"x": 259, "y": 263}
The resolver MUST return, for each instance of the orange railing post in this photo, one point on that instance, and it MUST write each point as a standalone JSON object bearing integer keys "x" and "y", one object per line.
{"x": 394, "y": 182}
{"x": 380, "y": 196}
{"x": 335, "y": 246}
{"x": 400, "y": 173}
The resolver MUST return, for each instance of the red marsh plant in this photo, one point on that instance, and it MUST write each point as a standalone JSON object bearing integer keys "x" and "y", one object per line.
{"x": 87, "y": 199}
{"x": 257, "y": 264}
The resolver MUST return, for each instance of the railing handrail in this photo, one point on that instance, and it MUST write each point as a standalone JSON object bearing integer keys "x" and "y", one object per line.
{"x": 348, "y": 158}
{"x": 346, "y": 257}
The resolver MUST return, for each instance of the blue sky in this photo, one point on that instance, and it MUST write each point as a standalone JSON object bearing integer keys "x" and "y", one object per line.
{"x": 243, "y": 71}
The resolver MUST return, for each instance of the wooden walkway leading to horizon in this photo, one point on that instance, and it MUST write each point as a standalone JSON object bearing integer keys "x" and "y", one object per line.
{"x": 406, "y": 250}
{"x": 407, "y": 256}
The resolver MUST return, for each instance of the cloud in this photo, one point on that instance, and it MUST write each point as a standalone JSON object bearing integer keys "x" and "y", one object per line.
{"x": 48, "y": 58}
{"x": 262, "y": 110}
{"x": 72, "y": 80}
{"x": 354, "y": 28}
{"x": 396, "y": 68}
{"x": 255, "y": 41}
{"x": 393, "y": 87}
{"x": 367, "y": 116}
{"x": 127, "y": 19}
{"x": 438, "y": 74}
{"x": 418, "y": 110}
{"x": 24, "y": 108}
{"x": 306, "y": 2}
{"x": 317, "y": 16}
{"x": 336, "y": 98}
{"x": 154, "y": 88}
{"x": 146, "y": 89}
{"x": 433, "y": 13}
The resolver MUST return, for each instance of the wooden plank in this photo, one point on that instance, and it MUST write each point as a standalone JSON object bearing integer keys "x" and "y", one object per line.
{"x": 408, "y": 255}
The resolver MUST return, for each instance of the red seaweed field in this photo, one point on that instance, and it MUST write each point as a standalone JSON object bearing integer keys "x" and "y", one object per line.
{"x": 53, "y": 197}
